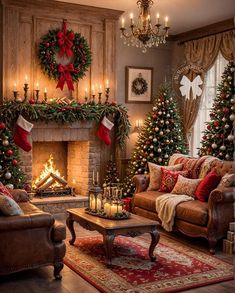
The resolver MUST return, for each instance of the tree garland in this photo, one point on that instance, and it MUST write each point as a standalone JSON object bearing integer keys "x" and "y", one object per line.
{"x": 60, "y": 43}
{"x": 68, "y": 113}
{"x": 139, "y": 85}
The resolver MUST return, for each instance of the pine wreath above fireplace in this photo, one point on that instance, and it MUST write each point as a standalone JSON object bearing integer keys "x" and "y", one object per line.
{"x": 68, "y": 113}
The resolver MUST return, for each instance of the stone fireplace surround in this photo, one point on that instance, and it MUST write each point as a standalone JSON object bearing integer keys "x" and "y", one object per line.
{"x": 84, "y": 151}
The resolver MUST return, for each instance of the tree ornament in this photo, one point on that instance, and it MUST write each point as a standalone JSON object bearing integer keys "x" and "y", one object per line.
{"x": 64, "y": 44}
{"x": 0, "y": 167}
{"x": 224, "y": 119}
{"x": 159, "y": 150}
{"x": 2, "y": 125}
{"x": 10, "y": 186}
{"x": 166, "y": 156}
{"x": 159, "y": 160}
{"x": 168, "y": 130}
{"x": 154, "y": 140}
{"x": 14, "y": 162}
{"x": 151, "y": 147}
{"x": 223, "y": 147}
{"x": 154, "y": 116}
{"x": 231, "y": 137}
{"x": 154, "y": 108}
{"x": 161, "y": 133}
{"x": 5, "y": 142}
{"x": 8, "y": 152}
{"x": 227, "y": 156}
{"x": 7, "y": 175}
{"x": 214, "y": 145}
{"x": 156, "y": 129}
{"x": 162, "y": 121}
{"x": 226, "y": 126}
{"x": 151, "y": 154}
{"x": 232, "y": 117}
{"x": 160, "y": 113}
{"x": 167, "y": 122}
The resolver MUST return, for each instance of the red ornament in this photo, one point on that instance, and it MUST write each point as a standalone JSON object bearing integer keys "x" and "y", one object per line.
{"x": 223, "y": 95}
{"x": 31, "y": 101}
{"x": 14, "y": 162}
{"x": 222, "y": 135}
{"x": 225, "y": 110}
{"x": 147, "y": 142}
{"x": 172, "y": 121}
{"x": 2, "y": 125}
{"x": 208, "y": 126}
{"x": 154, "y": 116}
{"x": 9, "y": 153}
{"x": 114, "y": 103}
{"x": 216, "y": 123}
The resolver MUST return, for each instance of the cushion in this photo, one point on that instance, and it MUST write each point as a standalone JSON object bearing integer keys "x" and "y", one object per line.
{"x": 8, "y": 206}
{"x": 5, "y": 191}
{"x": 186, "y": 186}
{"x": 227, "y": 180}
{"x": 155, "y": 174}
{"x": 169, "y": 179}
{"x": 205, "y": 187}
{"x": 192, "y": 165}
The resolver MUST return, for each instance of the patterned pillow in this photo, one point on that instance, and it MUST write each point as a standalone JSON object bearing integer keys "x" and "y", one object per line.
{"x": 9, "y": 207}
{"x": 4, "y": 190}
{"x": 227, "y": 180}
{"x": 155, "y": 174}
{"x": 169, "y": 179}
{"x": 186, "y": 186}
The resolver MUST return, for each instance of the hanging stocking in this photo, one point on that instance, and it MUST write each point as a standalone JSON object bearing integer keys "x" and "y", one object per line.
{"x": 23, "y": 128}
{"x": 104, "y": 130}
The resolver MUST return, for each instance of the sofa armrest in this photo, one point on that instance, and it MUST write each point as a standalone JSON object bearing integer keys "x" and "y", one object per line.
{"x": 221, "y": 196}
{"x": 20, "y": 195}
{"x": 23, "y": 222}
{"x": 141, "y": 182}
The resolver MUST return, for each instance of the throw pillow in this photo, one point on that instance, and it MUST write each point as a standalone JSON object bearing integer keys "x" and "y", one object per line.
{"x": 5, "y": 191}
{"x": 227, "y": 180}
{"x": 9, "y": 207}
{"x": 186, "y": 186}
{"x": 169, "y": 179}
{"x": 205, "y": 187}
{"x": 155, "y": 174}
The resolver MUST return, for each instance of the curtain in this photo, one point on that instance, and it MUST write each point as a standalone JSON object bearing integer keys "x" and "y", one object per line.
{"x": 202, "y": 53}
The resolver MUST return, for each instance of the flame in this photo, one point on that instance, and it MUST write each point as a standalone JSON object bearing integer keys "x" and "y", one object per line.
{"x": 49, "y": 167}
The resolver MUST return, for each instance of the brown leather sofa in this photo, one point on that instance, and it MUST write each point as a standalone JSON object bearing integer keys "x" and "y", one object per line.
{"x": 194, "y": 218}
{"x": 31, "y": 240}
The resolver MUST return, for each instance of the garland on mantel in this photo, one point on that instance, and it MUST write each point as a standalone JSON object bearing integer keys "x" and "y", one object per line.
{"x": 68, "y": 113}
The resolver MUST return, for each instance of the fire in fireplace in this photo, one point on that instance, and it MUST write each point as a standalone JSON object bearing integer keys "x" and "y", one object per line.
{"x": 50, "y": 182}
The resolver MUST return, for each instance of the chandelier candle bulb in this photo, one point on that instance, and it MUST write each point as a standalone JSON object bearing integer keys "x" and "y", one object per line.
{"x": 131, "y": 18}
{"x": 158, "y": 18}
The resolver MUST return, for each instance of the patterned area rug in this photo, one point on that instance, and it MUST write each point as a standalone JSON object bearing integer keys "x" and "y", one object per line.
{"x": 177, "y": 268}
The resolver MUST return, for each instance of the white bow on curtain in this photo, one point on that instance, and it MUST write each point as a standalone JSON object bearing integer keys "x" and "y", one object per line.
{"x": 188, "y": 84}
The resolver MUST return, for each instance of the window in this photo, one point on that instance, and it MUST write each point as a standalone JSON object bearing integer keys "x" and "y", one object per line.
{"x": 212, "y": 79}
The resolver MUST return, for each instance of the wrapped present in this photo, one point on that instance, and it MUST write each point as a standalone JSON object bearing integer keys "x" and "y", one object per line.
{"x": 127, "y": 204}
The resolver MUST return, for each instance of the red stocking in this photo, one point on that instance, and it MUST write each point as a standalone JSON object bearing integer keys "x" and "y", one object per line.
{"x": 23, "y": 127}
{"x": 104, "y": 130}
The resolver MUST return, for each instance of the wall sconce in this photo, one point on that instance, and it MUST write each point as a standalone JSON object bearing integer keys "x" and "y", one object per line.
{"x": 138, "y": 125}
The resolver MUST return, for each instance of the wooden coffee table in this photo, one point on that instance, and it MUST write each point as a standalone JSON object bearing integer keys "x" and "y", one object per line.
{"x": 132, "y": 227}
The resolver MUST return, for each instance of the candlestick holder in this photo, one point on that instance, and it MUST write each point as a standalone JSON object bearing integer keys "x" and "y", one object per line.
{"x": 107, "y": 91}
{"x": 26, "y": 88}
{"x": 93, "y": 100}
{"x": 86, "y": 99}
{"x": 37, "y": 96}
{"x": 99, "y": 98}
{"x": 15, "y": 94}
{"x": 45, "y": 97}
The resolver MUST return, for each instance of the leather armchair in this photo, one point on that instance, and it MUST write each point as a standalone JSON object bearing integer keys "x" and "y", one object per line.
{"x": 31, "y": 240}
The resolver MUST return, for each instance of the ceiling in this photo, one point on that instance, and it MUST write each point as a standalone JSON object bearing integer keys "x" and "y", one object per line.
{"x": 184, "y": 15}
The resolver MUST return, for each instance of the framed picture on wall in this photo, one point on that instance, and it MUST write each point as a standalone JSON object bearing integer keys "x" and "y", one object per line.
{"x": 139, "y": 83}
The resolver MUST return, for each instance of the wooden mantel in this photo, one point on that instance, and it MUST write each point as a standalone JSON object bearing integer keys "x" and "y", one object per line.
{"x": 23, "y": 23}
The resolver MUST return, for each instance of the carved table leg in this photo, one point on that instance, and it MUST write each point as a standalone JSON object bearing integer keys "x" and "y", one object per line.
{"x": 155, "y": 238}
{"x": 69, "y": 223}
{"x": 108, "y": 246}
{"x": 58, "y": 266}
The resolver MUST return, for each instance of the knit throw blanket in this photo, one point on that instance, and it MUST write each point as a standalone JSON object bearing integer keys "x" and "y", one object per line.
{"x": 165, "y": 207}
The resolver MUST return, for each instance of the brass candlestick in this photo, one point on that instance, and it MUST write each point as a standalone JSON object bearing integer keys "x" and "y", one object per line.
{"x": 26, "y": 87}
{"x": 45, "y": 97}
{"x": 86, "y": 99}
{"x": 37, "y": 95}
{"x": 100, "y": 96}
{"x": 15, "y": 93}
{"x": 93, "y": 99}
{"x": 107, "y": 91}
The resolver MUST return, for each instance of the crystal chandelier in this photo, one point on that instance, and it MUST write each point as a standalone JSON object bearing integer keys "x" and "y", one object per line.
{"x": 144, "y": 34}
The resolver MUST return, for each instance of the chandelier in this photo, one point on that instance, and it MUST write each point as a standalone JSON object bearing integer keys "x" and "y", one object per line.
{"x": 144, "y": 34}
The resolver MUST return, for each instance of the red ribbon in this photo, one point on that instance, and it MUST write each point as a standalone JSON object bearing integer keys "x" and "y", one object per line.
{"x": 65, "y": 76}
{"x": 65, "y": 41}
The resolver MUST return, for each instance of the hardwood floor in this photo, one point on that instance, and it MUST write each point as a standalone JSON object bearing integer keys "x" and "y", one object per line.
{"x": 41, "y": 280}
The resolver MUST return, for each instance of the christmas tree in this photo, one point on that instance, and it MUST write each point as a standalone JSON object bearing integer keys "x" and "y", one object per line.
{"x": 218, "y": 138}
{"x": 161, "y": 136}
{"x": 111, "y": 176}
{"x": 10, "y": 173}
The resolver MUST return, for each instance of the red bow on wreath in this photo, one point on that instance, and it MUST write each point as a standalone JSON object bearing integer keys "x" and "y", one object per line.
{"x": 65, "y": 41}
{"x": 65, "y": 76}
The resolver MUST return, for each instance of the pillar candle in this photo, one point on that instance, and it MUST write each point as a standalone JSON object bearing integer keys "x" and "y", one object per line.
{"x": 119, "y": 208}
{"x": 98, "y": 204}
{"x": 107, "y": 208}
{"x": 113, "y": 209}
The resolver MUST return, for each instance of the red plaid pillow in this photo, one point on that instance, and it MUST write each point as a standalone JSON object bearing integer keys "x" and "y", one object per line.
{"x": 169, "y": 179}
{"x": 5, "y": 191}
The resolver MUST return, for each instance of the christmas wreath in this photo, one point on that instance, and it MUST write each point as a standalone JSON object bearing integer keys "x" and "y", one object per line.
{"x": 139, "y": 85}
{"x": 66, "y": 44}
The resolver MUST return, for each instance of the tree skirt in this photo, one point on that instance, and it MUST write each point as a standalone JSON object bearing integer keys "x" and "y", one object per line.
{"x": 178, "y": 267}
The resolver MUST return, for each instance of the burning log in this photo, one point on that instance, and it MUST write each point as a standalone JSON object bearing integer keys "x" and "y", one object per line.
{"x": 47, "y": 184}
{"x": 43, "y": 180}
{"x": 59, "y": 179}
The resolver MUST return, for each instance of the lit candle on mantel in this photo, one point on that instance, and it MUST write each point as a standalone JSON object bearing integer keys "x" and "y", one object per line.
{"x": 86, "y": 92}
{"x": 26, "y": 79}
{"x": 37, "y": 86}
{"x": 100, "y": 89}
{"x": 15, "y": 87}
{"x": 93, "y": 89}
{"x": 166, "y": 21}
{"x": 107, "y": 83}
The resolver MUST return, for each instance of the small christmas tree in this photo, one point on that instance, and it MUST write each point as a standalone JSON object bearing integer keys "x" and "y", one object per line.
{"x": 10, "y": 173}
{"x": 111, "y": 176}
{"x": 218, "y": 138}
{"x": 161, "y": 136}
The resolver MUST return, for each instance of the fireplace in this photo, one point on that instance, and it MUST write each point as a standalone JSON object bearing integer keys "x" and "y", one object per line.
{"x": 75, "y": 149}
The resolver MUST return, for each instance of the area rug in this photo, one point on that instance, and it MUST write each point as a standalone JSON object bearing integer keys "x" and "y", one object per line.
{"x": 177, "y": 267}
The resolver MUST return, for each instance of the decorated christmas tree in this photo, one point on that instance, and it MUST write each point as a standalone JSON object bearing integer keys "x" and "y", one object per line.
{"x": 161, "y": 136}
{"x": 218, "y": 138}
{"x": 111, "y": 176}
{"x": 10, "y": 173}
